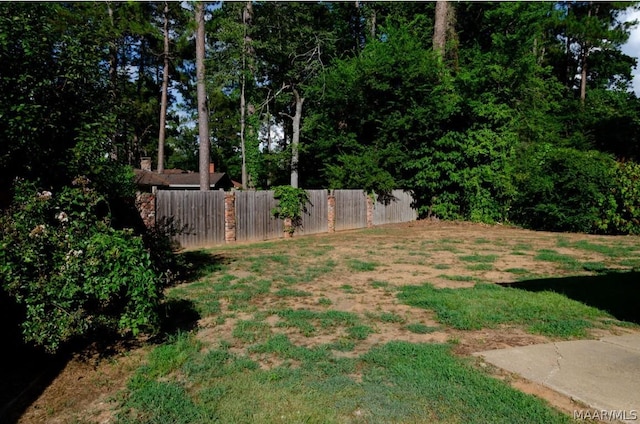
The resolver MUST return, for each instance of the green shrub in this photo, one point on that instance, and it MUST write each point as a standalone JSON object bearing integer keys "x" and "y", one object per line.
{"x": 564, "y": 189}
{"x": 626, "y": 191}
{"x": 71, "y": 270}
{"x": 292, "y": 203}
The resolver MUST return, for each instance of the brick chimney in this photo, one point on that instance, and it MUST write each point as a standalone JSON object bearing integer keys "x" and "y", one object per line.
{"x": 145, "y": 163}
{"x": 211, "y": 168}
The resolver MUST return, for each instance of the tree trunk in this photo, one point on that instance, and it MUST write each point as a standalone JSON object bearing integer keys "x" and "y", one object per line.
{"x": 440, "y": 27}
{"x": 113, "y": 55}
{"x": 584, "y": 55}
{"x": 583, "y": 75}
{"x": 243, "y": 111}
{"x": 165, "y": 89}
{"x": 203, "y": 115}
{"x": 113, "y": 76}
{"x": 373, "y": 23}
{"x": 247, "y": 12}
{"x": 295, "y": 140}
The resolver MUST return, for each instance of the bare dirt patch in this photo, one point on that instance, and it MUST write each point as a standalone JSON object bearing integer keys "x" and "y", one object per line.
{"x": 445, "y": 254}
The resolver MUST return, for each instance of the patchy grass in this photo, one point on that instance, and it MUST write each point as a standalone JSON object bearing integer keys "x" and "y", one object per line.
{"x": 396, "y": 382}
{"x": 479, "y": 267}
{"x": 359, "y": 332}
{"x": 550, "y": 255}
{"x": 324, "y": 301}
{"x": 458, "y": 277}
{"x": 387, "y": 317}
{"x": 361, "y": 266}
{"x": 348, "y": 288}
{"x": 275, "y": 334}
{"x": 479, "y": 258}
{"x": 250, "y": 331}
{"x": 616, "y": 251}
{"x": 420, "y": 328}
{"x": 308, "y": 322}
{"x": 379, "y": 284}
{"x": 489, "y": 306}
{"x": 287, "y": 292}
{"x": 518, "y": 271}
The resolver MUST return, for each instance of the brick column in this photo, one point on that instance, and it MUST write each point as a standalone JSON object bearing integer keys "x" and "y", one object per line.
{"x": 229, "y": 217}
{"x": 288, "y": 228}
{"x": 146, "y": 205}
{"x": 331, "y": 213}
{"x": 369, "y": 211}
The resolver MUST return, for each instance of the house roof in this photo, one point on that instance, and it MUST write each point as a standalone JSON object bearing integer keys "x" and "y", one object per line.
{"x": 176, "y": 178}
{"x": 149, "y": 178}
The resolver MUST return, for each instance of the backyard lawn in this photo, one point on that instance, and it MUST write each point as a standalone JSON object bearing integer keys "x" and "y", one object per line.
{"x": 367, "y": 326}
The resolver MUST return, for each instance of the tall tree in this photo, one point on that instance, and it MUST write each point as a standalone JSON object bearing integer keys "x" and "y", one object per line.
{"x": 247, "y": 50}
{"x": 593, "y": 30}
{"x": 203, "y": 111}
{"x": 440, "y": 26}
{"x": 165, "y": 88}
{"x": 295, "y": 43}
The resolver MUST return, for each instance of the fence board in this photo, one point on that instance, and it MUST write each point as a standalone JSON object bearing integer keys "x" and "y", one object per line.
{"x": 315, "y": 221}
{"x": 394, "y": 209}
{"x": 351, "y": 209}
{"x": 201, "y": 214}
{"x": 253, "y": 216}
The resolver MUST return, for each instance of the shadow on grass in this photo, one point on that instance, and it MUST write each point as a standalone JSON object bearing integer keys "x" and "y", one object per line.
{"x": 618, "y": 293}
{"x": 180, "y": 315}
{"x": 196, "y": 264}
{"x": 24, "y": 370}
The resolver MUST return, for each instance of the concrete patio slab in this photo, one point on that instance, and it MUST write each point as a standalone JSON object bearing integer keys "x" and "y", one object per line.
{"x": 603, "y": 374}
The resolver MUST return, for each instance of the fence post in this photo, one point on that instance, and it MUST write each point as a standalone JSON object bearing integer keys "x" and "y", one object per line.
{"x": 370, "y": 206}
{"x": 229, "y": 217}
{"x": 331, "y": 212}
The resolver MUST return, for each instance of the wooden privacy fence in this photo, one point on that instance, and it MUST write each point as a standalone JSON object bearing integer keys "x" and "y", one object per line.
{"x": 214, "y": 217}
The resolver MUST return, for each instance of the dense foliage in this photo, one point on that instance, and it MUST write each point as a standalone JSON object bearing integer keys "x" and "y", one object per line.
{"x": 73, "y": 272}
{"x": 73, "y": 254}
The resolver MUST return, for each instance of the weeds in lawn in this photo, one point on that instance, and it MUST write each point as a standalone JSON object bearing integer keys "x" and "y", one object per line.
{"x": 358, "y": 265}
{"x": 287, "y": 292}
{"x": 347, "y": 288}
{"x": 324, "y": 301}
{"x": 250, "y": 331}
{"x": 396, "y": 382}
{"x": 419, "y": 328}
{"x": 458, "y": 277}
{"x": 387, "y": 317}
{"x": 379, "y": 284}
{"x": 359, "y": 332}
{"x": 479, "y": 258}
{"x": 518, "y": 271}
{"x": 523, "y": 247}
{"x": 307, "y": 321}
{"x": 480, "y": 267}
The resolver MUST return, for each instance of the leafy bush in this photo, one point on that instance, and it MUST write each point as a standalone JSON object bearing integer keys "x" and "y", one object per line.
{"x": 626, "y": 191}
{"x": 71, "y": 270}
{"x": 292, "y": 203}
{"x": 564, "y": 189}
